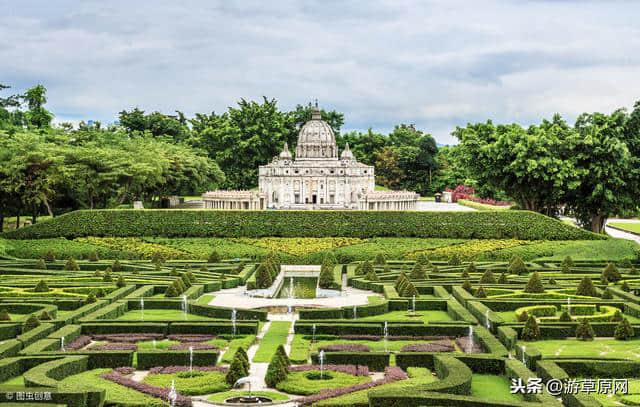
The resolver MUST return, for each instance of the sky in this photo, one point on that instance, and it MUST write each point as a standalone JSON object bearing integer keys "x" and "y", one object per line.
{"x": 436, "y": 64}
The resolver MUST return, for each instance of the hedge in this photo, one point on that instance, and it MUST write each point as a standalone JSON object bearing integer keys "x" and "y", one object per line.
{"x": 149, "y": 359}
{"x": 522, "y": 225}
{"x": 123, "y": 328}
{"x": 508, "y": 336}
{"x": 376, "y": 361}
{"x": 352, "y": 328}
{"x": 547, "y": 369}
{"x": 36, "y": 334}
{"x": 225, "y": 313}
{"x": 213, "y": 328}
{"x": 10, "y": 347}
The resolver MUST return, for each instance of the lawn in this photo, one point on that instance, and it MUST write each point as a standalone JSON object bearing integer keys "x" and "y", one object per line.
{"x": 630, "y": 399}
{"x": 374, "y": 346}
{"x": 426, "y": 316}
{"x": 190, "y": 383}
{"x": 626, "y": 226}
{"x": 309, "y": 382}
{"x": 276, "y": 335}
{"x": 115, "y": 392}
{"x": 493, "y": 387}
{"x": 14, "y": 381}
{"x": 605, "y": 348}
{"x": 418, "y": 376}
{"x": 205, "y": 299}
{"x": 160, "y": 315}
{"x": 241, "y": 341}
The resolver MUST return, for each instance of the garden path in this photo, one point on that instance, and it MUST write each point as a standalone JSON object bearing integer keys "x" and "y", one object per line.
{"x": 257, "y": 371}
{"x": 622, "y": 234}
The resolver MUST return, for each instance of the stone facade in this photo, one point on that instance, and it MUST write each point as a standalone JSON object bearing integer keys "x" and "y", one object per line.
{"x": 317, "y": 178}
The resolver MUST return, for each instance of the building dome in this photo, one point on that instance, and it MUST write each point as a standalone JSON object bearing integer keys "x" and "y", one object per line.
{"x": 285, "y": 154}
{"x": 316, "y": 139}
{"x": 346, "y": 153}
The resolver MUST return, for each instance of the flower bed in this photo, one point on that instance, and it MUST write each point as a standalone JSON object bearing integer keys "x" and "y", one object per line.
{"x": 468, "y": 345}
{"x": 78, "y": 343}
{"x": 158, "y": 392}
{"x": 115, "y": 346}
{"x": 394, "y": 338}
{"x": 190, "y": 337}
{"x": 356, "y": 370}
{"x": 131, "y": 338}
{"x": 345, "y": 347}
{"x": 438, "y": 346}
{"x": 391, "y": 374}
{"x": 177, "y": 369}
{"x": 125, "y": 370}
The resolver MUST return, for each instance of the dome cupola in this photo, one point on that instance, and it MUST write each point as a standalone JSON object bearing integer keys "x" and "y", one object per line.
{"x": 316, "y": 140}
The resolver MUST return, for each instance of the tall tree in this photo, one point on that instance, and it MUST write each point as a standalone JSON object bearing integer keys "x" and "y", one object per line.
{"x": 37, "y": 115}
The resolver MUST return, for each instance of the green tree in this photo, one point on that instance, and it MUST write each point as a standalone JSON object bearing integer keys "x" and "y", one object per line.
{"x": 325, "y": 280}
{"x": 611, "y": 273}
{"x": 41, "y": 287}
{"x": 37, "y": 115}
{"x": 237, "y": 369}
{"x": 534, "y": 285}
{"x": 624, "y": 330}
{"x": 586, "y": 288}
{"x": 487, "y": 277}
{"x": 584, "y": 331}
{"x": 418, "y": 272}
{"x": 517, "y": 266}
{"x": 531, "y": 330}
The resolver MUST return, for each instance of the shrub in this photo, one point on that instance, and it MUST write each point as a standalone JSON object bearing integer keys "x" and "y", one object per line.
{"x": 565, "y": 317}
{"x": 586, "y": 288}
{"x": 44, "y": 316}
{"x": 372, "y": 276}
{"x": 366, "y": 267}
{"x": 467, "y": 286}
{"x": 93, "y": 256}
{"x": 534, "y": 285}
{"x": 464, "y": 274}
{"x": 41, "y": 287}
{"x": 179, "y": 285}
{"x": 603, "y": 280}
{"x": 584, "y": 331}
{"x": 402, "y": 278}
{"x": 617, "y": 316}
{"x": 91, "y": 298}
{"x": 121, "y": 283}
{"x": 471, "y": 268}
{"x": 552, "y": 281}
{"x": 214, "y": 257}
{"x": 4, "y": 315}
{"x": 116, "y": 267}
{"x": 264, "y": 277}
{"x": 624, "y": 330}
{"x": 565, "y": 269}
{"x": 517, "y": 266}
{"x": 276, "y": 371}
{"x": 606, "y": 295}
{"x": 633, "y": 271}
{"x": 409, "y": 290}
{"x": 237, "y": 370}
{"x": 204, "y": 268}
{"x": 171, "y": 291}
{"x": 423, "y": 259}
{"x": 487, "y": 277}
{"x": 480, "y": 293}
{"x": 191, "y": 277}
{"x": 185, "y": 280}
{"x": 568, "y": 261}
{"x": 242, "y": 354}
{"x": 158, "y": 258}
{"x": 283, "y": 354}
{"x": 49, "y": 256}
{"x": 418, "y": 273}
{"x": 503, "y": 279}
{"x": 380, "y": 260}
{"x": 71, "y": 265}
{"x": 31, "y": 323}
{"x": 524, "y": 316}
{"x": 611, "y": 273}
{"x": 325, "y": 280}
{"x": 454, "y": 260}
{"x": 531, "y": 330}
{"x": 41, "y": 265}
{"x": 107, "y": 277}
{"x": 625, "y": 287}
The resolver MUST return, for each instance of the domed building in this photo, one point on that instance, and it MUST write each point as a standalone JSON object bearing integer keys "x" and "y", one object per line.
{"x": 316, "y": 178}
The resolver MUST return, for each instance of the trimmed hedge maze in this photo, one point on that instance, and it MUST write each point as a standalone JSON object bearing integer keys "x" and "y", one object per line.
{"x": 434, "y": 332}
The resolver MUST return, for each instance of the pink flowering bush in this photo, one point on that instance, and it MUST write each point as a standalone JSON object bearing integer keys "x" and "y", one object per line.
{"x": 78, "y": 343}
{"x": 132, "y": 338}
{"x": 437, "y": 346}
{"x": 115, "y": 346}
{"x": 153, "y": 391}
{"x": 393, "y": 338}
{"x": 190, "y": 337}
{"x": 125, "y": 370}
{"x": 469, "y": 345}
{"x": 345, "y": 347}
{"x": 348, "y": 369}
{"x": 391, "y": 374}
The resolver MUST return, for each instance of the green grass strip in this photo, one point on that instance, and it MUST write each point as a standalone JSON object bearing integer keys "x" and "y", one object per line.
{"x": 276, "y": 335}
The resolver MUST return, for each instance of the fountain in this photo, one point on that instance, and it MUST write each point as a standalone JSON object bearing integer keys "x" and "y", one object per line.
{"x": 250, "y": 399}
{"x": 154, "y": 343}
{"x": 524, "y": 358}
{"x": 185, "y": 306}
{"x": 233, "y": 321}
{"x": 142, "y": 308}
{"x": 313, "y": 333}
{"x": 470, "y": 343}
{"x": 321, "y": 359}
{"x": 191, "y": 360}
{"x": 291, "y": 293}
{"x": 569, "y": 305}
{"x": 385, "y": 332}
{"x": 173, "y": 395}
{"x": 62, "y": 343}
{"x": 355, "y": 312}
{"x": 413, "y": 305}
{"x": 486, "y": 319}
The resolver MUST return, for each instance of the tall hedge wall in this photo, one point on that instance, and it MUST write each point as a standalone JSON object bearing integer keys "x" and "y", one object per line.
{"x": 198, "y": 223}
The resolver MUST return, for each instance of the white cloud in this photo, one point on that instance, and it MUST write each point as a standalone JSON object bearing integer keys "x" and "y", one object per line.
{"x": 437, "y": 64}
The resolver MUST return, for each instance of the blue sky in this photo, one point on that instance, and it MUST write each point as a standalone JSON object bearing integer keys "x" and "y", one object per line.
{"x": 437, "y": 64}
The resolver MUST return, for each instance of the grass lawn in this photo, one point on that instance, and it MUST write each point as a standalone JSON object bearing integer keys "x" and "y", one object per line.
{"x": 631, "y": 399}
{"x": 426, "y": 316}
{"x": 160, "y": 315}
{"x": 115, "y": 392}
{"x": 221, "y": 397}
{"x": 606, "y": 348}
{"x": 510, "y": 316}
{"x": 14, "y": 381}
{"x": 205, "y": 299}
{"x": 417, "y": 376}
{"x": 493, "y": 387}
{"x": 276, "y": 335}
{"x": 375, "y": 346}
{"x": 629, "y": 227}
{"x": 190, "y": 383}
{"x": 306, "y": 383}
{"x": 241, "y": 341}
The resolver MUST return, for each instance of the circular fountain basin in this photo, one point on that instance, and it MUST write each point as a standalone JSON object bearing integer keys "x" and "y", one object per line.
{"x": 248, "y": 400}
